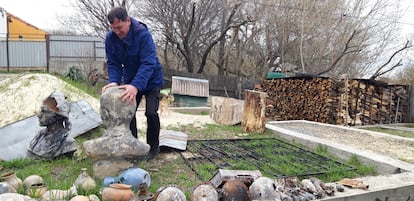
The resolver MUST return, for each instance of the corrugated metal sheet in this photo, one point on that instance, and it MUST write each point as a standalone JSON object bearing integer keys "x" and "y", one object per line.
{"x": 74, "y": 38}
{"x": 62, "y": 48}
{"x": 190, "y": 86}
{"x": 3, "y": 54}
{"x": 100, "y": 49}
{"x": 70, "y": 47}
{"x": 27, "y": 54}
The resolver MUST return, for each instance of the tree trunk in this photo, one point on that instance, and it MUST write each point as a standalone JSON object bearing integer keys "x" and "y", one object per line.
{"x": 254, "y": 111}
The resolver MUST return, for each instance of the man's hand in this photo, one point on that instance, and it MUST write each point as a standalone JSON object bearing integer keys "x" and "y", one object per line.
{"x": 112, "y": 84}
{"x": 129, "y": 94}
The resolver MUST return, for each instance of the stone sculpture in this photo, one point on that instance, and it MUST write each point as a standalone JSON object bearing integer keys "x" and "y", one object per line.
{"x": 114, "y": 151}
{"x": 53, "y": 140}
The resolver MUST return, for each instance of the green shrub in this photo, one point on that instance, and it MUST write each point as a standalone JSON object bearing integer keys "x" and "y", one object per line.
{"x": 75, "y": 74}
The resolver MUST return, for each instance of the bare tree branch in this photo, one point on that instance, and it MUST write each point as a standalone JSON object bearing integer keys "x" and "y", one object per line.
{"x": 345, "y": 51}
{"x": 380, "y": 70}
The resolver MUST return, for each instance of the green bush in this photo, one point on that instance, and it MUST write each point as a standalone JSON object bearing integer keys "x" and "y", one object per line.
{"x": 75, "y": 74}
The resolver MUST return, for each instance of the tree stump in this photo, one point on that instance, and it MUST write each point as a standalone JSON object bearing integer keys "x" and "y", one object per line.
{"x": 254, "y": 111}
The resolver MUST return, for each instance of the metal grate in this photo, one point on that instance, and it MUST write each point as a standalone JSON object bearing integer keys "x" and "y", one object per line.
{"x": 273, "y": 157}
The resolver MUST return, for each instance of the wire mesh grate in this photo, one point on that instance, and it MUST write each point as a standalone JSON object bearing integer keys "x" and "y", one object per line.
{"x": 273, "y": 157}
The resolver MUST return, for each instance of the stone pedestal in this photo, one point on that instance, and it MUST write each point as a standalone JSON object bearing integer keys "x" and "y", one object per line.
{"x": 117, "y": 149}
{"x": 107, "y": 168}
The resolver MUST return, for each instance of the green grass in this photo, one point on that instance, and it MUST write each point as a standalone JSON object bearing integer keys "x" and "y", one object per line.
{"x": 408, "y": 125}
{"x": 215, "y": 131}
{"x": 392, "y": 131}
{"x": 58, "y": 174}
{"x": 86, "y": 87}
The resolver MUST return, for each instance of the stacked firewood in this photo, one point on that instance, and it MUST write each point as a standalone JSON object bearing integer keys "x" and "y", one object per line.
{"x": 376, "y": 103}
{"x": 343, "y": 102}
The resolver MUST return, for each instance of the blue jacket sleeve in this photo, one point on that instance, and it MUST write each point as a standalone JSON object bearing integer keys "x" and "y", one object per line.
{"x": 148, "y": 61}
{"x": 113, "y": 65}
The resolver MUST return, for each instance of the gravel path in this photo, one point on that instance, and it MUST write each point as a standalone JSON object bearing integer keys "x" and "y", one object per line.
{"x": 388, "y": 145}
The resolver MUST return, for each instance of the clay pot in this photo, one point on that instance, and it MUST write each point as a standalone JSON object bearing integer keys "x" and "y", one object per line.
{"x": 79, "y": 198}
{"x": 36, "y": 190}
{"x": 134, "y": 177}
{"x": 14, "y": 197}
{"x": 109, "y": 180}
{"x": 12, "y": 179}
{"x": 58, "y": 194}
{"x": 6, "y": 188}
{"x": 84, "y": 182}
{"x": 205, "y": 192}
{"x": 264, "y": 188}
{"x": 117, "y": 192}
{"x": 235, "y": 190}
{"x": 32, "y": 179}
{"x": 94, "y": 198}
{"x": 170, "y": 193}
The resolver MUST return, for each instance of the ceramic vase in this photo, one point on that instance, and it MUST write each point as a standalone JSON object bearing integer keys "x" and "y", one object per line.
{"x": 85, "y": 182}
{"x": 12, "y": 179}
{"x": 134, "y": 177}
{"x": 58, "y": 194}
{"x": 36, "y": 190}
{"x": 79, "y": 198}
{"x": 170, "y": 193}
{"x": 117, "y": 192}
{"x": 6, "y": 188}
{"x": 93, "y": 197}
{"x": 32, "y": 179}
{"x": 109, "y": 180}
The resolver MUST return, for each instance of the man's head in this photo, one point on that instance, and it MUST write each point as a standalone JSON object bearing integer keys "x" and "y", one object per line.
{"x": 120, "y": 21}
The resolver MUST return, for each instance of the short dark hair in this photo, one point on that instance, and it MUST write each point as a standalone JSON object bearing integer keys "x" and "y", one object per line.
{"x": 117, "y": 13}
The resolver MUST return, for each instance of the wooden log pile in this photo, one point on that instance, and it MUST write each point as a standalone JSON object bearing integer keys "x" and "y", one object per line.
{"x": 343, "y": 102}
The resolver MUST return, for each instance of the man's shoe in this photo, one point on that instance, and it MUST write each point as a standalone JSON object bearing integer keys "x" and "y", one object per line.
{"x": 152, "y": 153}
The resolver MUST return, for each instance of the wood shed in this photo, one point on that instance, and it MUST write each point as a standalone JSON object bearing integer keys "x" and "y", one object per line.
{"x": 189, "y": 92}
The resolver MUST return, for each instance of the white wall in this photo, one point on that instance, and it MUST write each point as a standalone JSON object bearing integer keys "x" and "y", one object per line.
{"x": 3, "y": 24}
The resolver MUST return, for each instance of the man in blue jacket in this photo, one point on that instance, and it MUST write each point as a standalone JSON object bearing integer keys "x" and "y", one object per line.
{"x": 133, "y": 65}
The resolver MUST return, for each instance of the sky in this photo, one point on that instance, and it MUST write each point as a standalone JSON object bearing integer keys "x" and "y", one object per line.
{"x": 39, "y": 13}
{"x": 43, "y": 13}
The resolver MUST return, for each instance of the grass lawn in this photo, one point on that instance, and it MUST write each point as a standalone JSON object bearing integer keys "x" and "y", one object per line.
{"x": 401, "y": 133}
